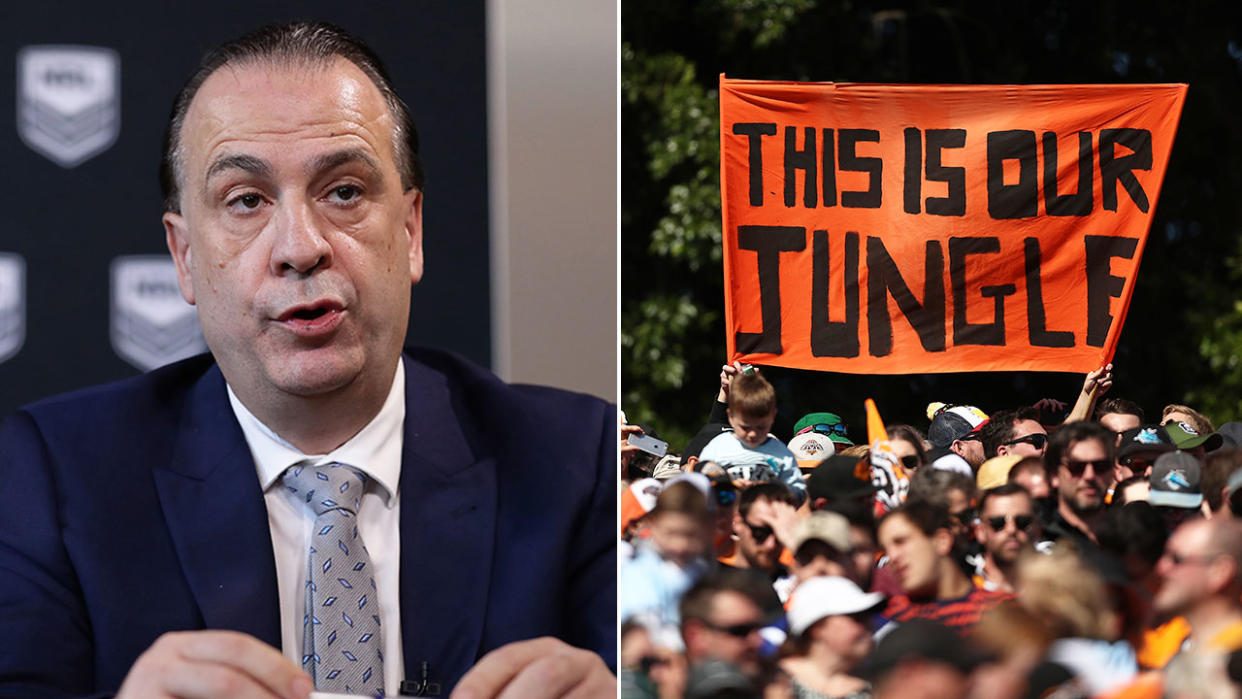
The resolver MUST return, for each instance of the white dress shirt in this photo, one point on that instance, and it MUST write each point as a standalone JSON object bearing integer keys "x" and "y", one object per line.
{"x": 375, "y": 450}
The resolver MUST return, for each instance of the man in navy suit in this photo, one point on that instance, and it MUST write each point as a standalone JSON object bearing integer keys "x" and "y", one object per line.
{"x": 149, "y": 542}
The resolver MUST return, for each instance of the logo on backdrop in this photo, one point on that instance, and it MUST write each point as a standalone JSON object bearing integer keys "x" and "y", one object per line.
{"x": 151, "y": 324}
{"x": 12, "y": 304}
{"x": 68, "y": 101}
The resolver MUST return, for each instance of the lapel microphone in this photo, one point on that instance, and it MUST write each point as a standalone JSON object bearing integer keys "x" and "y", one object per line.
{"x": 424, "y": 687}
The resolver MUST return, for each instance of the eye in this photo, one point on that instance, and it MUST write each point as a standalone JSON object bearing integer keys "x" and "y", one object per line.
{"x": 246, "y": 203}
{"x": 344, "y": 193}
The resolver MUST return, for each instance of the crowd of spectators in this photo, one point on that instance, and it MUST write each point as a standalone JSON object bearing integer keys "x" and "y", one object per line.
{"x": 986, "y": 553}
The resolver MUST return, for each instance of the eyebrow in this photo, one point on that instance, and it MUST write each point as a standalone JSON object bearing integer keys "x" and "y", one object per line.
{"x": 246, "y": 163}
{"x": 335, "y": 159}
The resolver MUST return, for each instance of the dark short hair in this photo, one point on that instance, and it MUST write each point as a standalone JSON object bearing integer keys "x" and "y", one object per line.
{"x": 696, "y": 604}
{"x": 933, "y": 485}
{"x": 1119, "y": 406}
{"x": 311, "y": 43}
{"x": 771, "y": 491}
{"x": 926, "y": 516}
{"x": 1217, "y": 468}
{"x": 1001, "y": 491}
{"x": 1072, "y": 433}
{"x": 1000, "y": 428}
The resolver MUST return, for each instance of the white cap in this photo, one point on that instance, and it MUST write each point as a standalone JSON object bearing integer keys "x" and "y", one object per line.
{"x": 818, "y": 598}
{"x": 810, "y": 448}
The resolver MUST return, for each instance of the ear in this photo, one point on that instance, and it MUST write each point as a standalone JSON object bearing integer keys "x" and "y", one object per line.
{"x": 942, "y": 539}
{"x": 1002, "y": 450}
{"x": 978, "y": 531}
{"x": 737, "y": 523}
{"x": 414, "y": 230}
{"x": 177, "y": 235}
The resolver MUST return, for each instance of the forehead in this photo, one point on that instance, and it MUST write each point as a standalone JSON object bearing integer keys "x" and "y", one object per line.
{"x": 278, "y": 104}
{"x": 1189, "y": 538}
{"x": 1025, "y": 427}
{"x": 1005, "y": 504}
{"x": 898, "y": 526}
{"x": 1087, "y": 450}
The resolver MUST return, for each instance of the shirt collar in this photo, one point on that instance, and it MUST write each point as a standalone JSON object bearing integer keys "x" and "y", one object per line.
{"x": 375, "y": 450}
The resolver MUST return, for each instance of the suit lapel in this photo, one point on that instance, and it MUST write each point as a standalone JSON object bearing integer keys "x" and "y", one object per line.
{"x": 448, "y": 512}
{"x": 215, "y": 512}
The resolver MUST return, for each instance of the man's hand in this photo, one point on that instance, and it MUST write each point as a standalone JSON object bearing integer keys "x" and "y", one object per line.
{"x": 783, "y": 518}
{"x": 541, "y": 667}
{"x": 214, "y": 664}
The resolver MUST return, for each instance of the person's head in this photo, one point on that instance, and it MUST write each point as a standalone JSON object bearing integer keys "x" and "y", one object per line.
{"x": 1015, "y": 431}
{"x": 1067, "y": 594}
{"x": 907, "y": 445}
{"x": 922, "y": 659}
{"x": 1188, "y": 415}
{"x": 1136, "y": 533}
{"x": 1137, "y": 450}
{"x": 833, "y": 614}
{"x": 950, "y": 490}
{"x": 917, "y": 537}
{"x": 863, "y": 544}
{"x": 821, "y": 547}
{"x": 752, "y": 407}
{"x": 756, "y": 541}
{"x": 723, "y": 497}
{"x": 293, "y": 212}
{"x": 721, "y": 615}
{"x": 1079, "y": 459}
{"x": 1218, "y": 466}
{"x": 1199, "y": 567}
{"x": 1132, "y": 489}
{"x": 957, "y": 428}
{"x": 1119, "y": 414}
{"x": 1031, "y": 473}
{"x": 1006, "y": 524}
{"x": 680, "y": 523}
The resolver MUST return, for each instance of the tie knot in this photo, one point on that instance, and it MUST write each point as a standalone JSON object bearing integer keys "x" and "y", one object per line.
{"x": 326, "y": 487}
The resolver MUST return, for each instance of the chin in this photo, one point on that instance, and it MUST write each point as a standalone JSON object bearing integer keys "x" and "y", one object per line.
{"x": 315, "y": 373}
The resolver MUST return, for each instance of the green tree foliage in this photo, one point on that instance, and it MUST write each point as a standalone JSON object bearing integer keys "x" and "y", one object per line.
{"x": 1183, "y": 336}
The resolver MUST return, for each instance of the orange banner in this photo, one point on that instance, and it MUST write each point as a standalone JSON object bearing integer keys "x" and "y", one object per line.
{"x": 897, "y": 229}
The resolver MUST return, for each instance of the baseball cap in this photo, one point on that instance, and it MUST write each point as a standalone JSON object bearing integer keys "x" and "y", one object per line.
{"x": 994, "y": 472}
{"x": 822, "y": 597}
{"x": 1186, "y": 436}
{"x": 829, "y": 527}
{"x": 829, "y": 424}
{"x": 1231, "y": 434}
{"x": 668, "y": 466}
{"x": 950, "y": 423}
{"x": 840, "y": 477}
{"x": 638, "y": 499}
{"x": 810, "y": 448}
{"x": 1175, "y": 481}
{"x": 1145, "y": 439}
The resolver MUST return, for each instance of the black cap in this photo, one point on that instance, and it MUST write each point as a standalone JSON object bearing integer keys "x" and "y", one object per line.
{"x": 921, "y": 638}
{"x": 1151, "y": 440}
{"x": 840, "y": 477}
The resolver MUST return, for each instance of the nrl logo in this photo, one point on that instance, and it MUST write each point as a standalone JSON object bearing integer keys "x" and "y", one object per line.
{"x": 151, "y": 324}
{"x": 68, "y": 101}
{"x": 12, "y": 304}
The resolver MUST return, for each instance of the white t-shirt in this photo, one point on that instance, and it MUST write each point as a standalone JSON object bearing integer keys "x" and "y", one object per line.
{"x": 771, "y": 460}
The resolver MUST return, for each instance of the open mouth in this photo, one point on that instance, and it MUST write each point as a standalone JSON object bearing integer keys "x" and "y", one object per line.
{"x": 312, "y": 320}
{"x": 309, "y": 313}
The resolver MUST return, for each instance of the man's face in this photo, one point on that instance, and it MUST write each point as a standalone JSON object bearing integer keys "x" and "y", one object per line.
{"x": 731, "y": 633}
{"x": 1035, "y": 481}
{"x": 1080, "y": 475}
{"x": 1015, "y": 515}
{"x": 913, "y": 556}
{"x": 1026, "y": 435}
{"x": 817, "y": 558}
{"x": 862, "y": 554}
{"x": 756, "y": 540}
{"x": 295, "y": 239}
{"x": 1119, "y": 422}
{"x": 750, "y": 430}
{"x": 970, "y": 449}
{"x": 1185, "y": 569}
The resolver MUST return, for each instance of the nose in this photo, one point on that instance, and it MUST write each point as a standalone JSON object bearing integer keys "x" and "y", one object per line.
{"x": 299, "y": 246}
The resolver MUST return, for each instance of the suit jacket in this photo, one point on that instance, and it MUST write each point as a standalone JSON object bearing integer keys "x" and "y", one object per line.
{"x": 132, "y": 509}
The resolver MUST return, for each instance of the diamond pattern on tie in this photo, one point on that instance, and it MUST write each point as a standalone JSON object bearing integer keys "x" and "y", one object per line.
{"x": 337, "y": 650}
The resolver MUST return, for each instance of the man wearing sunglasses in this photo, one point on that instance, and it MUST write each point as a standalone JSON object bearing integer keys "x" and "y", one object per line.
{"x": 766, "y": 517}
{"x": 1079, "y": 460}
{"x": 1006, "y": 529}
{"x": 1014, "y": 431}
{"x": 720, "y": 620}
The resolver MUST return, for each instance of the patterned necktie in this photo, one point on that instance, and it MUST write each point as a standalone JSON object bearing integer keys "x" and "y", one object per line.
{"x": 342, "y": 647}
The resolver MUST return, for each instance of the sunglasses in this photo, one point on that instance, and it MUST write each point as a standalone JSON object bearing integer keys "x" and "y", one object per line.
{"x": 1077, "y": 468}
{"x": 824, "y": 427}
{"x": 1135, "y": 463}
{"x": 725, "y": 496}
{"x": 965, "y": 517}
{"x": 969, "y": 437}
{"x": 910, "y": 462}
{"x": 1178, "y": 559}
{"x": 1037, "y": 440}
{"x": 1021, "y": 522}
{"x": 735, "y": 630}
{"x": 761, "y": 533}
